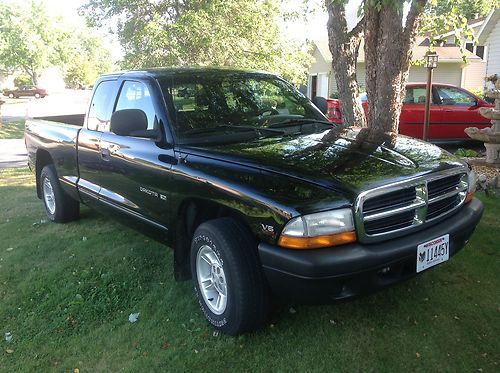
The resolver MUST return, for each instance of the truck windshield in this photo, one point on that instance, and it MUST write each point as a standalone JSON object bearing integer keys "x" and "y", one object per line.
{"x": 233, "y": 107}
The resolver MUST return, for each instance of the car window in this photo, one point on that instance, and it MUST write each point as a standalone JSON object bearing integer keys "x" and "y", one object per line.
{"x": 135, "y": 95}
{"x": 455, "y": 97}
{"x": 101, "y": 106}
{"x": 415, "y": 95}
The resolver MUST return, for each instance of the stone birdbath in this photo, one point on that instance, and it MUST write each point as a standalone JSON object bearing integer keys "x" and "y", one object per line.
{"x": 490, "y": 136}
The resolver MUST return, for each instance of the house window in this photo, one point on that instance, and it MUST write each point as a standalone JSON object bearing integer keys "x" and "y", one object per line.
{"x": 480, "y": 51}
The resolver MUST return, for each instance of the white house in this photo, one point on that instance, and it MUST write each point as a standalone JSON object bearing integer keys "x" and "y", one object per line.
{"x": 489, "y": 36}
{"x": 451, "y": 68}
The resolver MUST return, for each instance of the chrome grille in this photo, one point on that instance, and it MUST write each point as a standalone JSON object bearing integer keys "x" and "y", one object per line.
{"x": 397, "y": 208}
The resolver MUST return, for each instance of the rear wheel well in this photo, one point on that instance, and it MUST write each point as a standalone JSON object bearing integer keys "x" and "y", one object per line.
{"x": 43, "y": 158}
{"x": 190, "y": 215}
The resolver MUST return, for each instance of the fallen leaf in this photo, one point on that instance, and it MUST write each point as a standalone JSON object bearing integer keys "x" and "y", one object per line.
{"x": 133, "y": 317}
{"x": 456, "y": 317}
{"x": 216, "y": 333}
{"x": 76, "y": 370}
{"x": 9, "y": 350}
{"x": 292, "y": 310}
{"x": 417, "y": 355}
{"x": 8, "y": 337}
{"x": 165, "y": 345}
{"x": 84, "y": 238}
{"x": 10, "y": 249}
{"x": 333, "y": 322}
{"x": 196, "y": 351}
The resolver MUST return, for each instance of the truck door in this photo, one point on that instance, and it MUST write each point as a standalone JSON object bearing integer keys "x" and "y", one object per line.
{"x": 136, "y": 171}
{"x": 89, "y": 157}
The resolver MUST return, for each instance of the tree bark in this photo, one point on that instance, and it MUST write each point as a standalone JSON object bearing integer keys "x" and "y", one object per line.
{"x": 388, "y": 52}
{"x": 344, "y": 48}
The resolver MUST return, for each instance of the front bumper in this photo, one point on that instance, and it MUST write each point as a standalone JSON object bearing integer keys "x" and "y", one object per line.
{"x": 346, "y": 271}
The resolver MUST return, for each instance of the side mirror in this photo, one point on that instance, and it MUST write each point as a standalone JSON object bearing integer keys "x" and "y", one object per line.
{"x": 321, "y": 104}
{"x": 132, "y": 122}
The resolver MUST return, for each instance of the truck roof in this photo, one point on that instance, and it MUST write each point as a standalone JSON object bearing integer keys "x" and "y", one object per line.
{"x": 160, "y": 72}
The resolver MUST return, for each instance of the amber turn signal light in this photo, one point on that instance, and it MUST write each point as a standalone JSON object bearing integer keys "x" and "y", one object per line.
{"x": 469, "y": 197}
{"x": 300, "y": 243}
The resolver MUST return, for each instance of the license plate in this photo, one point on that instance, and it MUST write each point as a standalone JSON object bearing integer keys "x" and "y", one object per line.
{"x": 433, "y": 252}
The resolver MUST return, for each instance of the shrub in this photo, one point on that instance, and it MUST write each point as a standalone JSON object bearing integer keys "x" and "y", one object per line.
{"x": 22, "y": 80}
{"x": 468, "y": 153}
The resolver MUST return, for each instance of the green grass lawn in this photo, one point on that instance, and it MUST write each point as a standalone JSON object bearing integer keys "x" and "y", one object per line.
{"x": 66, "y": 292}
{"x": 12, "y": 129}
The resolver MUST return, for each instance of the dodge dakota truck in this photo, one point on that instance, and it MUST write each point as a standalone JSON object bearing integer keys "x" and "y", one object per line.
{"x": 255, "y": 191}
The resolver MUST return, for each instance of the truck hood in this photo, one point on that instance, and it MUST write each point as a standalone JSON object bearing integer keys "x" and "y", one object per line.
{"x": 342, "y": 159}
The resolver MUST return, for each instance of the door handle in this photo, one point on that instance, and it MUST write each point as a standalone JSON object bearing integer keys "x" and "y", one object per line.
{"x": 105, "y": 154}
{"x": 104, "y": 150}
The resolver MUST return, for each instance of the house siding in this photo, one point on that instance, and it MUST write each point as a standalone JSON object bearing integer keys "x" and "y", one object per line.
{"x": 473, "y": 75}
{"x": 493, "y": 45}
{"x": 448, "y": 73}
{"x": 320, "y": 65}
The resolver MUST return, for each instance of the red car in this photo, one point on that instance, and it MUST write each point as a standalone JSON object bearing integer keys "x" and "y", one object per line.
{"x": 453, "y": 109}
{"x": 25, "y": 91}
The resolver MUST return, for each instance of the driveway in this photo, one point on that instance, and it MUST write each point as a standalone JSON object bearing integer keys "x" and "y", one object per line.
{"x": 13, "y": 153}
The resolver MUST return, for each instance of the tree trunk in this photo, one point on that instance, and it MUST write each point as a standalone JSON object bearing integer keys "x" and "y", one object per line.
{"x": 34, "y": 77}
{"x": 344, "y": 47}
{"x": 388, "y": 51}
{"x": 32, "y": 73}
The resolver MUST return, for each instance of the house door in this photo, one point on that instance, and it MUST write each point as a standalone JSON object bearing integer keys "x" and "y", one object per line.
{"x": 314, "y": 86}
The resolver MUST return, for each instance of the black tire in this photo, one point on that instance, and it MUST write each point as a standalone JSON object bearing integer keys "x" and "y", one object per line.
{"x": 64, "y": 208}
{"x": 247, "y": 292}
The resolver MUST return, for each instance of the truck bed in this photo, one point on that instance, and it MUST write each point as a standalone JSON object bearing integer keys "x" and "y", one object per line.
{"x": 55, "y": 137}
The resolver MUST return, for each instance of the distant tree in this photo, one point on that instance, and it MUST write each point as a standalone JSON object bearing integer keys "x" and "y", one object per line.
{"x": 31, "y": 39}
{"x": 89, "y": 59}
{"x": 242, "y": 33}
{"x": 466, "y": 8}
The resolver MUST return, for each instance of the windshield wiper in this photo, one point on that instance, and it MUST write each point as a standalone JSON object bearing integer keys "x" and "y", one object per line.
{"x": 197, "y": 131}
{"x": 292, "y": 122}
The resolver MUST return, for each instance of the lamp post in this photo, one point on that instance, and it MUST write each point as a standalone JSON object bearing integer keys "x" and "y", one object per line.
{"x": 431, "y": 61}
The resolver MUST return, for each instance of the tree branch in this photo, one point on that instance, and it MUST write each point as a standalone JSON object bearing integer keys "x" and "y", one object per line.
{"x": 417, "y": 6}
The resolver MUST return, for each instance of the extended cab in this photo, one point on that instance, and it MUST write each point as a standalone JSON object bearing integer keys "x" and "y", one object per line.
{"x": 253, "y": 189}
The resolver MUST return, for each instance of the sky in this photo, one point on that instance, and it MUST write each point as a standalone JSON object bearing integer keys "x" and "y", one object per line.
{"x": 313, "y": 28}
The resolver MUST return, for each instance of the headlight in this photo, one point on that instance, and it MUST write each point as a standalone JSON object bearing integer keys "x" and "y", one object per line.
{"x": 323, "y": 229}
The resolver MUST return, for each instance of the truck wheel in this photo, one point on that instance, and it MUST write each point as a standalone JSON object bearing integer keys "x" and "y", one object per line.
{"x": 37, "y": 95}
{"x": 11, "y": 95}
{"x": 228, "y": 280}
{"x": 59, "y": 207}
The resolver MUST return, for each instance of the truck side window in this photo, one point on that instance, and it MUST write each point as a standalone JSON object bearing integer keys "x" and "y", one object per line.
{"x": 135, "y": 95}
{"x": 101, "y": 106}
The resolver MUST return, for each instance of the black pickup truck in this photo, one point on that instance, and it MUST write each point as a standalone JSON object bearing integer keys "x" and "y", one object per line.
{"x": 253, "y": 189}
